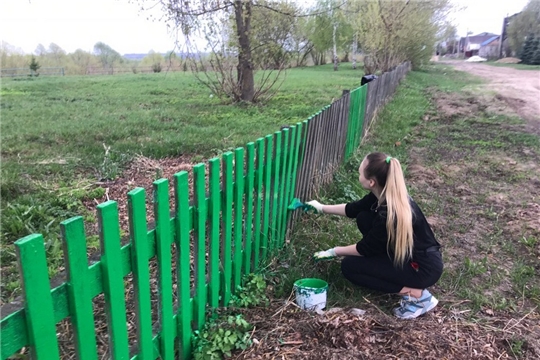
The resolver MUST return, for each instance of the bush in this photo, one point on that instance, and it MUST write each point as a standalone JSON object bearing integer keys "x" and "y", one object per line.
{"x": 156, "y": 67}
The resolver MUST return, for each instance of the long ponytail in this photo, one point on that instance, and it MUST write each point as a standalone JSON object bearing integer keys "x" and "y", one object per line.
{"x": 389, "y": 176}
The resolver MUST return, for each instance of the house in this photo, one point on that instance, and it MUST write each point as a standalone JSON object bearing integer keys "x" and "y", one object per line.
{"x": 470, "y": 45}
{"x": 489, "y": 49}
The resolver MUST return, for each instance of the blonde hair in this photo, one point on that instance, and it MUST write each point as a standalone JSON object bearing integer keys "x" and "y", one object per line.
{"x": 386, "y": 171}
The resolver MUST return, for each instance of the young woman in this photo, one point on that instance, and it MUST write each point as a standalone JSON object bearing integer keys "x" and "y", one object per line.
{"x": 398, "y": 252}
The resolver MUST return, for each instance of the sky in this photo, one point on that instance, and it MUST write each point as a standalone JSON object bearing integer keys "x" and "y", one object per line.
{"x": 79, "y": 24}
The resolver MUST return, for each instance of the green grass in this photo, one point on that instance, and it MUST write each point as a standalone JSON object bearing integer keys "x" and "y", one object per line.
{"x": 496, "y": 268}
{"x": 55, "y": 130}
{"x": 514, "y": 66}
{"x": 59, "y": 125}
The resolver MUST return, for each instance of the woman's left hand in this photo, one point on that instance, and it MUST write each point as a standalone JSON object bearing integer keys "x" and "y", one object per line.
{"x": 323, "y": 255}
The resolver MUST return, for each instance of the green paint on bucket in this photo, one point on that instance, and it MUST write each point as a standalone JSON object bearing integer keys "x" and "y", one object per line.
{"x": 311, "y": 293}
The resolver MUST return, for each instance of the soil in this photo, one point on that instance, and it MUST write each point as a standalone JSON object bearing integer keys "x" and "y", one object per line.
{"x": 520, "y": 89}
{"x": 285, "y": 332}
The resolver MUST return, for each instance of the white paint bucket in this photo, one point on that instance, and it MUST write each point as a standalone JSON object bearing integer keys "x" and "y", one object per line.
{"x": 311, "y": 293}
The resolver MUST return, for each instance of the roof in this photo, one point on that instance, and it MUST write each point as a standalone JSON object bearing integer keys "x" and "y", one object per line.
{"x": 489, "y": 41}
{"x": 480, "y": 38}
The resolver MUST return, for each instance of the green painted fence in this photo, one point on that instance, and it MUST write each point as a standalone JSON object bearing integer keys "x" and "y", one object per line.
{"x": 236, "y": 218}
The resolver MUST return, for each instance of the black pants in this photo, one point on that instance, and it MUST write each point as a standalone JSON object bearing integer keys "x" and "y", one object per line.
{"x": 379, "y": 273}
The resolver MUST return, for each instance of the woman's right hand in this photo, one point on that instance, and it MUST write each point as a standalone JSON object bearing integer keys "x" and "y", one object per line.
{"x": 316, "y": 205}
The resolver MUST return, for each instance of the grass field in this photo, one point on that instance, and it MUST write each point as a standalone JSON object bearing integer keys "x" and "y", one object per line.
{"x": 55, "y": 130}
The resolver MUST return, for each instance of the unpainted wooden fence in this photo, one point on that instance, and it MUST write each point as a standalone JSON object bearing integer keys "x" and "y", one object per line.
{"x": 236, "y": 218}
{"x": 26, "y": 72}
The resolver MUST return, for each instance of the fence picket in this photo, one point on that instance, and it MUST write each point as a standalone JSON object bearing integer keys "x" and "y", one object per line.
{"x": 37, "y": 297}
{"x": 215, "y": 207}
{"x": 113, "y": 281}
{"x": 275, "y": 190}
{"x": 306, "y": 147}
{"x": 309, "y": 153}
{"x": 141, "y": 273}
{"x": 238, "y": 215}
{"x": 267, "y": 178}
{"x": 258, "y": 202}
{"x": 163, "y": 252}
{"x": 362, "y": 115}
{"x": 250, "y": 147}
{"x": 182, "y": 226}
{"x": 289, "y": 188}
{"x": 199, "y": 184}
{"x": 227, "y": 226}
{"x": 79, "y": 295}
{"x": 282, "y": 206}
{"x": 300, "y": 143}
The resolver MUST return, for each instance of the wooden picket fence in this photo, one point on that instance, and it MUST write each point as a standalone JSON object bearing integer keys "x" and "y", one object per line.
{"x": 231, "y": 224}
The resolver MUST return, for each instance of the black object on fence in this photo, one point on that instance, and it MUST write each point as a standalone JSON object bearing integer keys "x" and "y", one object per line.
{"x": 367, "y": 78}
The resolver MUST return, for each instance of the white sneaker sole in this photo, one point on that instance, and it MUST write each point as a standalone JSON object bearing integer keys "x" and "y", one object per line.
{"x": 421, "y": 311}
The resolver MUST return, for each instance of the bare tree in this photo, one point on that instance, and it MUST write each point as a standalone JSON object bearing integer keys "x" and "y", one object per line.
{"x": 204, "y": 17}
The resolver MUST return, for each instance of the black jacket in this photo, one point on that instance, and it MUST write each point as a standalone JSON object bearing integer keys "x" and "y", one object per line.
{"x": 371, "y": 221}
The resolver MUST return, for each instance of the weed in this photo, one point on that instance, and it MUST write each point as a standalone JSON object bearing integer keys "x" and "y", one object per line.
{"x": 220, "y": 336}
{"x": 475, "y": 268}
{"x": 530, "y": 241}
{"x": 516, "y": 346}
{"x": 523, "y": 276}
{"x": 251, "y": 293}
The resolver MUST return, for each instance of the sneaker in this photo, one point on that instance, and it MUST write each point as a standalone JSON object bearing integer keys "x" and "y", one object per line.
{"x": 411, "y": 308}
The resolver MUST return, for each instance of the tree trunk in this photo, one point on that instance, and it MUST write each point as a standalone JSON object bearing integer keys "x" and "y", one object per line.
{"x": 354, "y": 49}
{"x": 242, "y": 11}
{"x": 335, "y": 48}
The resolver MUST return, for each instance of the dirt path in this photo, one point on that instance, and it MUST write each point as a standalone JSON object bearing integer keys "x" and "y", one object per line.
{"x": 519, "y": 88}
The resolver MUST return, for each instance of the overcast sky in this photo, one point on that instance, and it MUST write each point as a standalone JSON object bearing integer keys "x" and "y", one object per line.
{"x": 74, "y": 24}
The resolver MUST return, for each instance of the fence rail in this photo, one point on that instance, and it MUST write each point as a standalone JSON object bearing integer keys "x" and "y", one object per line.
{"x": 26, "y": 72}
{"x": 224, "y": 231}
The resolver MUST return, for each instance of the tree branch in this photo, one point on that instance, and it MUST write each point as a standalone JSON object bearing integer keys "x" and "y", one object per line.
{"x": 299, "y": 16}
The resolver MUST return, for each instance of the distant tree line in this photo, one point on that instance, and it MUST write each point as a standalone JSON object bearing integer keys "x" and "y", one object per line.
{"x": 103, "y": 59}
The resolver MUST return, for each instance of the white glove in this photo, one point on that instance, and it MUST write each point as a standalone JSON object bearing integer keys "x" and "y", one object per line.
{"x": 327, "y": 254}
{"x": 316, "y": 205}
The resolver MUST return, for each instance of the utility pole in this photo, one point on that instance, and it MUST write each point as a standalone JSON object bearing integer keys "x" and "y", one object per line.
{"x": 503, "y": 36}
